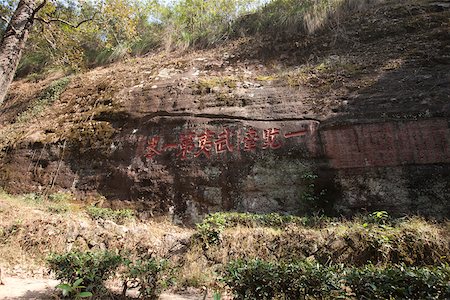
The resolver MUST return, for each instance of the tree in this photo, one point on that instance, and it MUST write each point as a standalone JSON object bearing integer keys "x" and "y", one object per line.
{"x": 14, "y": 39}
{"x": 16, "y": 35}
{"x": 58, "y": 38}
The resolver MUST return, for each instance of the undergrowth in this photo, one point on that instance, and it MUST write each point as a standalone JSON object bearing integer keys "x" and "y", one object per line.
{"x": 260, "y": 256}
{"x": 258, "y": 279}
{"x": 148, "y": 274}
{"x": 376, "y": 238}
{"x": 119, "y": 216}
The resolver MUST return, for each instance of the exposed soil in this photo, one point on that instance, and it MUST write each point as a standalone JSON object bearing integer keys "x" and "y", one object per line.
{"x": 43, "y": 289}
{"x": 29, "y": 288}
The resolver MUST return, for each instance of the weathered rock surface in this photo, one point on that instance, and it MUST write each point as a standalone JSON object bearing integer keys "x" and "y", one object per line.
{"x": 364, "y": 124}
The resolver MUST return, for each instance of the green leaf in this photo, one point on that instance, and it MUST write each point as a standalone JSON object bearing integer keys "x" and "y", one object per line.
{"x": 85, "y": 294}
{"x": 77, "y": 282}
{"x": 64, "y": 287}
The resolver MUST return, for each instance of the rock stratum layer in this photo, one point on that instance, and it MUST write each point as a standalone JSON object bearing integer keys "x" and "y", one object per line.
{"x": 340, "y": 121}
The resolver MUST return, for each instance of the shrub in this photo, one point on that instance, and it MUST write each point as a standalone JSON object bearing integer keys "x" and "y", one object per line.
{"x": 118, "y": 216}
{"x": 92, "y": 267}
{"x": 399, "y": 282}
{"x": 149, "y": 275}
{"x": 258, "y": 279}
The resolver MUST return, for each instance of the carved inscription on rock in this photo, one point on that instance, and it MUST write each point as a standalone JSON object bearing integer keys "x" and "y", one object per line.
{"x": 193, "y": 141}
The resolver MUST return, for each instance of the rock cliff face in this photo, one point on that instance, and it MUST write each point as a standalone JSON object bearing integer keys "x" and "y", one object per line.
{"x": 364, "y": 126}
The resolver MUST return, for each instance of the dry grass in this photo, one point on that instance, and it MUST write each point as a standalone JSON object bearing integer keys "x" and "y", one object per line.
{"x": 30, "y": 230}
{"x": 413, "y": 241}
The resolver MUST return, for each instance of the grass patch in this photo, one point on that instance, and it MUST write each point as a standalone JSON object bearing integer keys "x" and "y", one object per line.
{"x": 119, "y": 216}
{"x": 207, "y": 85}
{"x": 375, "y": 238}
{"x": 322, "y": 74}
{"x": 48, "y": 96}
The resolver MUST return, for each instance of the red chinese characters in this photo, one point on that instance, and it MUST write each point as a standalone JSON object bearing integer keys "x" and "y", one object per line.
{"x": 205, "y": 143}
{"x": 186, "y": 144}
{"x": 151, "y": 149}
{"x": 223, "y": 144}
{"x": 270, "y": 138}
{"x": 227, "y": 141}
{"x": 295, "y": 133}
{"x": 250, "y": 139}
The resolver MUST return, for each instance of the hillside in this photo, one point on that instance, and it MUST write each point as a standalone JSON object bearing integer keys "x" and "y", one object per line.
{"x": 353, "y": 117}
{"x": 305, "y": 154}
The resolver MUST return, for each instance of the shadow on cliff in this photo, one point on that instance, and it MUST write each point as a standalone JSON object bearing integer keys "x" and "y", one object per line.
{"x": 392, "y": 65}
{"x": 387, "y": 59}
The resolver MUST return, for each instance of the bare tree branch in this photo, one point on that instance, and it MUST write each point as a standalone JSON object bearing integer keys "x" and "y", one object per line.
{"x": 4, "y": 19}
{"x": 7, "y": 22}
{"x": 64, "y": 21}
{"x": 37, "y": 10}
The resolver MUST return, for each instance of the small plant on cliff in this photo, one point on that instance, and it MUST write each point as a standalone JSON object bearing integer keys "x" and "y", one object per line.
{"x": 312, "y": 201}
{"x": 60, "y": 197}
{"x": 33, "y": 198}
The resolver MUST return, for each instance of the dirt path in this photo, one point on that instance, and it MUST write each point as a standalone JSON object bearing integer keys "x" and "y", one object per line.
{"x": 41, "y": 289}
{"x": 18, "y": 288}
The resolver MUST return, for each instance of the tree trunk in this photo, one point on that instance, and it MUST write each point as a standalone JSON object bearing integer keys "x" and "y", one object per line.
{"x": 13, "y": 42}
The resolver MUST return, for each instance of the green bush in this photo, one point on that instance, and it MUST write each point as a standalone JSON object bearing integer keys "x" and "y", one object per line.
{"x": 150, "y": 276}
{"x": 118, "y": 216}
{"x": 400, "y": 282}
{"x": 259, "y": 279}
{"x": 92, "y": 267}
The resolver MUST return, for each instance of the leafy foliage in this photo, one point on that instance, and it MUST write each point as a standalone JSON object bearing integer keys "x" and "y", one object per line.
{"x": 118, "y": 29}
{"x": 257, "y": 279}
{"x": 74, "y": 290}
{"x": 200, "y": 22}
{"x": 92, "y": 267}
{"x": 149, "y": 275}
